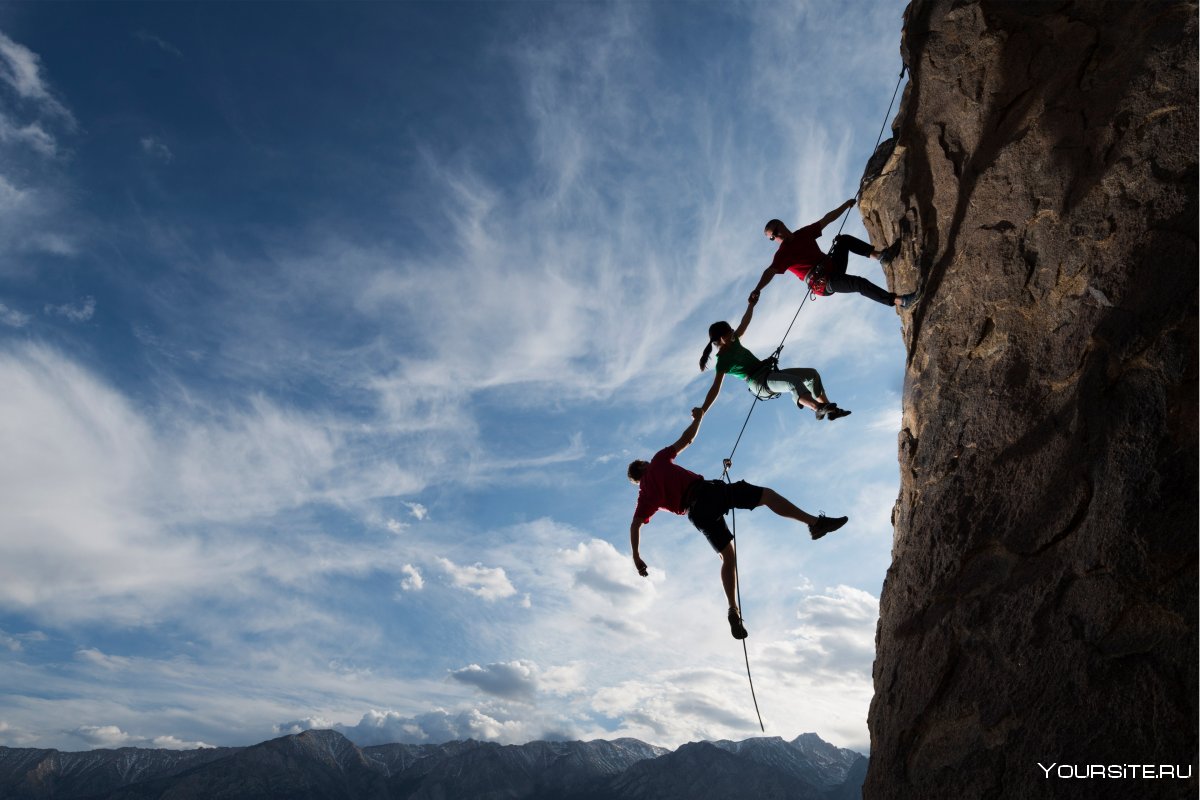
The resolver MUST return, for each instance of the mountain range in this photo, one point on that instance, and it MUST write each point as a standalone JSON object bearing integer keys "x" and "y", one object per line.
{"x": 325, "y": 765}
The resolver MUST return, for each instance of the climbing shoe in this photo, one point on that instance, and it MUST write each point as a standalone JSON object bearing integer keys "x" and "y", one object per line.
{"x": 836, "y": 413}
{"x": 825, "y": 525}
{"x": 911, "y": 299}
{"x": 735, "y": 624}
{"x": 889, "y": 252}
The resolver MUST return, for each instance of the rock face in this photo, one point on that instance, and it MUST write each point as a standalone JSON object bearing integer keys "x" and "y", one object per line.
{"x": 1042, "y": 602}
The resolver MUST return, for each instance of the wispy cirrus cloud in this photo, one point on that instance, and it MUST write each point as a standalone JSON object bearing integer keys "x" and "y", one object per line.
{"x": 147, "y": 37}
{"x": 155, "y": 148}
{"x": 81, "y": 311}
{"x": 21, "y": 69}
{"x": 12, "y": 317}
{"x": 32, "y": 120}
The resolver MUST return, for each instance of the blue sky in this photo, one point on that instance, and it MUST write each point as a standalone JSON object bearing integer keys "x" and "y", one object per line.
{"x": 327, "y": 331}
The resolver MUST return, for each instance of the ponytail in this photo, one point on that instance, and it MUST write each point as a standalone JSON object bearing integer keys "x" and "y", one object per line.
{"x": 715, "y": 332}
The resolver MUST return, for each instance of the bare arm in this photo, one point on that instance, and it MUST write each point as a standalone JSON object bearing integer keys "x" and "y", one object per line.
{"x": 689, "y": 434}
{"x": 711, "y": 397}
{"x": 833, "y": 215}
{"x": 745, "y": 323}
{"x": 768, "y": 273}
{"x": 635, "y": 538}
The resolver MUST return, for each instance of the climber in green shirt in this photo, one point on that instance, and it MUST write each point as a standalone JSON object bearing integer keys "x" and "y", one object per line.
{"x": 763, "y": 377}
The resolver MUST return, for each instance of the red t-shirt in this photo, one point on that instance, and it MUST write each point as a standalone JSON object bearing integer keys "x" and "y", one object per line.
{"x": 663, "y": 485}
{"x": 799, "y": 253}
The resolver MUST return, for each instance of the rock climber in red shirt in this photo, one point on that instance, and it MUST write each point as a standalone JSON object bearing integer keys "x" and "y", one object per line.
{"x": 663, "y": 484}
{"x": 800, "y": 254}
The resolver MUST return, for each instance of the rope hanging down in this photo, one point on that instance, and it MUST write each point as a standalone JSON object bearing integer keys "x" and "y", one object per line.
{"x": 774, "y": 359}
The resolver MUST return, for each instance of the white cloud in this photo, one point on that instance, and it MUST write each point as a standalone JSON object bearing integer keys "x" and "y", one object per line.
{"x": 175, "y": 743}
{"x": 107, "y": 662}
{"x": 438, "y": 725}
{"x": 302, "y": 725}
{"x": 413, "y": 582}
{"x": 417, "y": 510}
{"x": 111, "y": 736}
{"x": 514, "y": 680}
{"x": 78, "y": 312}
{"x": 159, "y": 42}
{"x": 135, "y": 485}
{"x": 21, "y": 69}
{"x": 15, "y": 737}
{"x": 11, "y": 198}
{"x": 156, "y": 148}
{"x": 31, "y": 134}
{"x": 103, "y": 736}
{"x": 597, "y": 568}
{"x": 489, "y": 583}
{"x": 13, "y": 318}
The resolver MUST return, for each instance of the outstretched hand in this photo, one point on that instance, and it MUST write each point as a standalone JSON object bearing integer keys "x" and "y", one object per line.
{"x": 697, "y": 413}
{"x": 642, "y": 569}
{"x": 753, "y": 298}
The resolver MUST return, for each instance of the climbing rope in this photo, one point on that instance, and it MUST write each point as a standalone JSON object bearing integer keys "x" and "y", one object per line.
{"x": 773, "y": 361}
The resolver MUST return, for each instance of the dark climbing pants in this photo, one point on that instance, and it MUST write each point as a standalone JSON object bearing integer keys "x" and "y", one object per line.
{"x": 838, "y": 282}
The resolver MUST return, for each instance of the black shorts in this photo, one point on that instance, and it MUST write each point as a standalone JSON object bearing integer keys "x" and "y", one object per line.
{"x": 711, "y": 501}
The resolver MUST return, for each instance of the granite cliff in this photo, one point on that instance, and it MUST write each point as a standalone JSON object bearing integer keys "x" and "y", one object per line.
{"x": 1042, "y": 602}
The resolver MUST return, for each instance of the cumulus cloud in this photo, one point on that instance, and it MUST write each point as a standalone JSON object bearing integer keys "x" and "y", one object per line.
{"x": 597, "y": 567}
{"x": 514, "y": 680}
{"x": 111, "y": 736}
{"x": 417, "y": 510}
{"x": 412, "y": 582}
{"x": 436, "y": 726}
{"x": 677, "y": 705}
{"x": 103, "y": 736}
{"x": 75, "y": 312}
{"x": 301, "y": 725}
{"x": 489, "y": 583}
{"x": 14, "y": 736}
{"x": 835, "y": 637}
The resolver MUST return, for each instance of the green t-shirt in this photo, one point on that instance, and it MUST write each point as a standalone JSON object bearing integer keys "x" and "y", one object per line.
{"x": 737, "y": 360}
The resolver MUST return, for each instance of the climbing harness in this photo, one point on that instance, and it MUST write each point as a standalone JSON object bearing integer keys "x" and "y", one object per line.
{"x": 815, "y": 283}
{"x": 757, "y": 382}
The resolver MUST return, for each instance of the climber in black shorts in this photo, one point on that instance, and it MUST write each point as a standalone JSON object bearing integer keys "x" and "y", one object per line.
{"x": 663, "y": 484}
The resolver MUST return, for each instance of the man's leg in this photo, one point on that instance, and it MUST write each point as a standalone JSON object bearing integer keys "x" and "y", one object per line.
{"x": 855, "y": 284}
{"x": 707, "y": 514}
{"x": 817, "y": 526}
{"x": 839, "y": 282}
{"x": 781, "y": 506}
{"x": 729, "y": 582}
{"x": 729, "y": 574}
